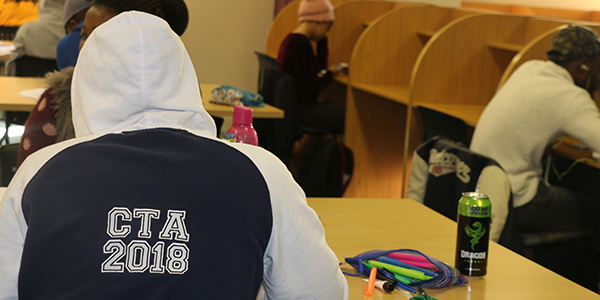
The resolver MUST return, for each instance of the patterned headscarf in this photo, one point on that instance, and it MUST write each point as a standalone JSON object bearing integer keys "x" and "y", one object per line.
{"x": 574, "y": 42}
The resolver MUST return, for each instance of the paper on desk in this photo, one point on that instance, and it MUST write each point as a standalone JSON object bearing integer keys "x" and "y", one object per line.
{"x": 6, "y": 48}
{"x": 33, "y": 93}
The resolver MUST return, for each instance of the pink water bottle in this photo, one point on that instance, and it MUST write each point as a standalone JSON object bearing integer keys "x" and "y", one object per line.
{"x": 242, "y": 126}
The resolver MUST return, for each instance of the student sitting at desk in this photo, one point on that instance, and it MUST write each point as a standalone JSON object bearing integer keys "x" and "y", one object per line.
{"x": 541, "y": 101}
{"x": 38, "y": 39}
{"x": 50, "y": 120}
{"x": 296, "y": 57}
{"x": 142, "y": 205}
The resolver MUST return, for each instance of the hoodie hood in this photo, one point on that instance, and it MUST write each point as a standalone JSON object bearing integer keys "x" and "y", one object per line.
{"x": 135, "y": 73}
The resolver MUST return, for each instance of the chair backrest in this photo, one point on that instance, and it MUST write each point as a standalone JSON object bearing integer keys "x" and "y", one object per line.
{"x": 443, "y": 169}
{"x": 8, "y": 162}
{"x": 278, "y": 89}
{"x": 29, "y": 66}
{"x": 436, "y": 123}
{"x": 264, "y": 62}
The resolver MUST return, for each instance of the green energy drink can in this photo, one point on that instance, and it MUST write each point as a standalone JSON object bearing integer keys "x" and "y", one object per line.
{"x": 472, "y": 239}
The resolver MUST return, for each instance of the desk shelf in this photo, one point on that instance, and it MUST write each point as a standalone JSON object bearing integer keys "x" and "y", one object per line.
{"x": 505, "y": 46}
{"x": 426, "y": 33}
{"x": 397, "y": 94}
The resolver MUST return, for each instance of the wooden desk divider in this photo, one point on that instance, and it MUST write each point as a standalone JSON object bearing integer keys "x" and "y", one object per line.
{"x": 378, "y": 95}
{"x": 535, "y": 49}
{"x": 285, "y": 21}
{"x": 352, "y": 19}
{"x": 463, "y": 62}
{"x": 581, "y": 15}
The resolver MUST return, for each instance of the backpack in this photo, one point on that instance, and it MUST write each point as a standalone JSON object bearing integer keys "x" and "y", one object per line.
{"x": 326, "y": 168}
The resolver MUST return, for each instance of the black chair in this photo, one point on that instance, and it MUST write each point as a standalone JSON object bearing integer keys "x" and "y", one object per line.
{"x": 436, "y": 123}
{"x": 30, "y": 66}
{"x": 278, "y": 135}
{"x": 279, "y": 89}
{"x": 218, "y": 123}
{"x": 9, "y": 155}
{"x": 264, "y": 62}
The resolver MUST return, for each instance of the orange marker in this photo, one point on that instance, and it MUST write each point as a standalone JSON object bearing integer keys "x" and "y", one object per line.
{"x": 371, "y": 284}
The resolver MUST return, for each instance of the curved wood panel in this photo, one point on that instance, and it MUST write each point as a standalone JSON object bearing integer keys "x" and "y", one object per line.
{"x": 384, "y": 56}
{"x": 463, "y": 62}
{"x": 352, "y": 18}
{"x": 536, "y": 49}
{"x": 377, "y": 109}
{"x": 284, "y": 23}
{"x": 581, "y": 15}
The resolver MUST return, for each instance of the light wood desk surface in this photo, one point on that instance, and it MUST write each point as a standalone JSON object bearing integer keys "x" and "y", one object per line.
{"x": 9, "y": 92}
{"x": 354, "y": 225}
{"x": 11, "y": 100}
{"x": 571, "y": 148}
{"x": 219, "y": 110}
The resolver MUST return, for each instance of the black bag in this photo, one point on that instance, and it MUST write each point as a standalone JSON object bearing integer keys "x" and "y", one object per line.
{"x": 326, "y": 168}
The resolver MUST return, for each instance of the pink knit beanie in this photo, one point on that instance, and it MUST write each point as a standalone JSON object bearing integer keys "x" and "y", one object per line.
{"x": 316, "y": 10}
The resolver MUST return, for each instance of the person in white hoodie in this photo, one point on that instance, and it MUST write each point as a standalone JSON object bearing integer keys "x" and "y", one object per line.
{"x": 146, "y": 203}
{"x": 541, "y": 101}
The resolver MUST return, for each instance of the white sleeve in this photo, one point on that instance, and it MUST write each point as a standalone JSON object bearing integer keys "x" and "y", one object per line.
{"x": 298, "y": 263}
{"x": 493, "y": 182}
{"x": 12, "y": 237}
{"x": 582, "y": 121}
{"x": 417, "y": 181}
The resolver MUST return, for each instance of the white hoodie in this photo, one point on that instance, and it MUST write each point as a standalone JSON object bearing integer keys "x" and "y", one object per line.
{"x": 146, "y": 203}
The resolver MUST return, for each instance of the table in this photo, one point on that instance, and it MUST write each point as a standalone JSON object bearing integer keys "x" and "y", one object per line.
{"x": 572, "y": 149}
{"x": 356, "y": 225}
{"x": 219, "y": 110}
{"x": 12, "y": 101}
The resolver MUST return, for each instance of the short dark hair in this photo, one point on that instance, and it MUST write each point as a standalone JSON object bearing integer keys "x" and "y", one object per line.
{"x": 175, "y": 12}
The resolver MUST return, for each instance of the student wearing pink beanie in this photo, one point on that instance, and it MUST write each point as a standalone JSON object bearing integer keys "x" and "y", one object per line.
{"x": 297, "y": 58}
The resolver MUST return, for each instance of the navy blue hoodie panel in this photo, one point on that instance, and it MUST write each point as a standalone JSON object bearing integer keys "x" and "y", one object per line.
{"x": 151, "y": 214}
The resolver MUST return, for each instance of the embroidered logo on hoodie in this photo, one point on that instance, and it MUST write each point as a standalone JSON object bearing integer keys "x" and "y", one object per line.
{"x": 442, "y": 163}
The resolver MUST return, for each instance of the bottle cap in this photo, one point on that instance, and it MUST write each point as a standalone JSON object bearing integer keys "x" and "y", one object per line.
{"x": 242, "y": 115}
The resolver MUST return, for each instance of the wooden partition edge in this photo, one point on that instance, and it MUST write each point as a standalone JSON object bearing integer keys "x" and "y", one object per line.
{"x": 517, "y": 59}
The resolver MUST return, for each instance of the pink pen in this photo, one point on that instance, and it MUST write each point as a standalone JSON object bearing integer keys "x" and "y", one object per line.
{"x": 414, "y": 260}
